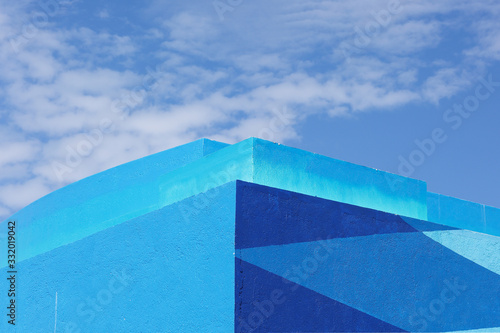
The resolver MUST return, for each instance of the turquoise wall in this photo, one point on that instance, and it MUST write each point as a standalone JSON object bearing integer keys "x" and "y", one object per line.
{"x": 153, "y": 273}
{"x": 304, "y": 172}
{"x": 463, "y": 214}
{"x": 267, "y": 163}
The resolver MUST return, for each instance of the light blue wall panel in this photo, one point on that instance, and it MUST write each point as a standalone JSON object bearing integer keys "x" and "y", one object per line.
{"x": 156, "y": 273}
{"x": 301, "y": 171}
{"x": 492, "y": 215}
{"x": 463, "y": 214}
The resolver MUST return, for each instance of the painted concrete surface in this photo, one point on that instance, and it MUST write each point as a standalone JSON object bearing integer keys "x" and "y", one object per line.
{"x": 267, "y": 163}
{"x": 480, "y": 248}
{"x": 141, "y": 186}
{"x": 228, "y": 164}
{"x": 154, "y": 273}
{"x": 304, "y": 172}
{"x": 306, "y": 264}
{"x": 463, "y": 214}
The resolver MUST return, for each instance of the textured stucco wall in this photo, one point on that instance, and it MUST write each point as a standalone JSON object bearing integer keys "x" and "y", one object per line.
{"x": 305, "y": 264}
{"x": 267, "y": 163}
{"x": 304, "y": 172}
{"x": 463, "y": 214}
{"x": 154, "y": 273}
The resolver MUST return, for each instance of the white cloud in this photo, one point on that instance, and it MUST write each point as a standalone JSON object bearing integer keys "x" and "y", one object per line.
{"x": 445, "y": 83}
{"x": 189, "y": 33}
{"x": 17, "y": 195}
{"x": 103, "y": 14}
{"x": 408, "y": 37}
{"x": 271, "y": 128}
{"x": 14, "y": 171}
{"x": 15, "y": 152}
{"x": 101, "y": 43}
{"x": 5, "y": 212}
{"x": 408, "y": 77}
{"x": 489, "y": 40}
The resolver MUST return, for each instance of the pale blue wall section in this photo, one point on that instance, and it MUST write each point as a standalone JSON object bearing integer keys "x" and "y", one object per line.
{"x": 463, "y": 214}
{"x": 100, "y": 201}
{"x": 304, "y": 172}
{"x": 155, "y": 273}
{"x": 483, "y": 330}
{"x": 482, "y": 249}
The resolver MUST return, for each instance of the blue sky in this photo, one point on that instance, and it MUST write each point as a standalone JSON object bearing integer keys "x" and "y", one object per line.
{"x": 409, "y": 87}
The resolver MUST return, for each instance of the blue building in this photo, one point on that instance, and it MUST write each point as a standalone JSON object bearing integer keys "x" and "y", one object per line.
{"x": 250, "y": 237}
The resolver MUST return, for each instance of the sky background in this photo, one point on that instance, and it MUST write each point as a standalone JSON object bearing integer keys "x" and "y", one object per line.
{"x": 88, "y": 85}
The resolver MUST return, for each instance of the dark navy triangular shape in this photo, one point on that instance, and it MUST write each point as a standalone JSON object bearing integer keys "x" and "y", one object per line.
{"x": 263, "y": 213}
{"x": 265, "y": 302}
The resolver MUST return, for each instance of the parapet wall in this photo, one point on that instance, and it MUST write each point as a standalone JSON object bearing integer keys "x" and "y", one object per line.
{"x": 463, "y": 214}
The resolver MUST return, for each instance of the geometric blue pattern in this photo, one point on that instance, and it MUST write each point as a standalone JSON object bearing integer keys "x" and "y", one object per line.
{"x": 481, "y": 248}
{"x": 305, "y": 218}
{"x": 269, "y": 303}
{"x": 398, "y": 273}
